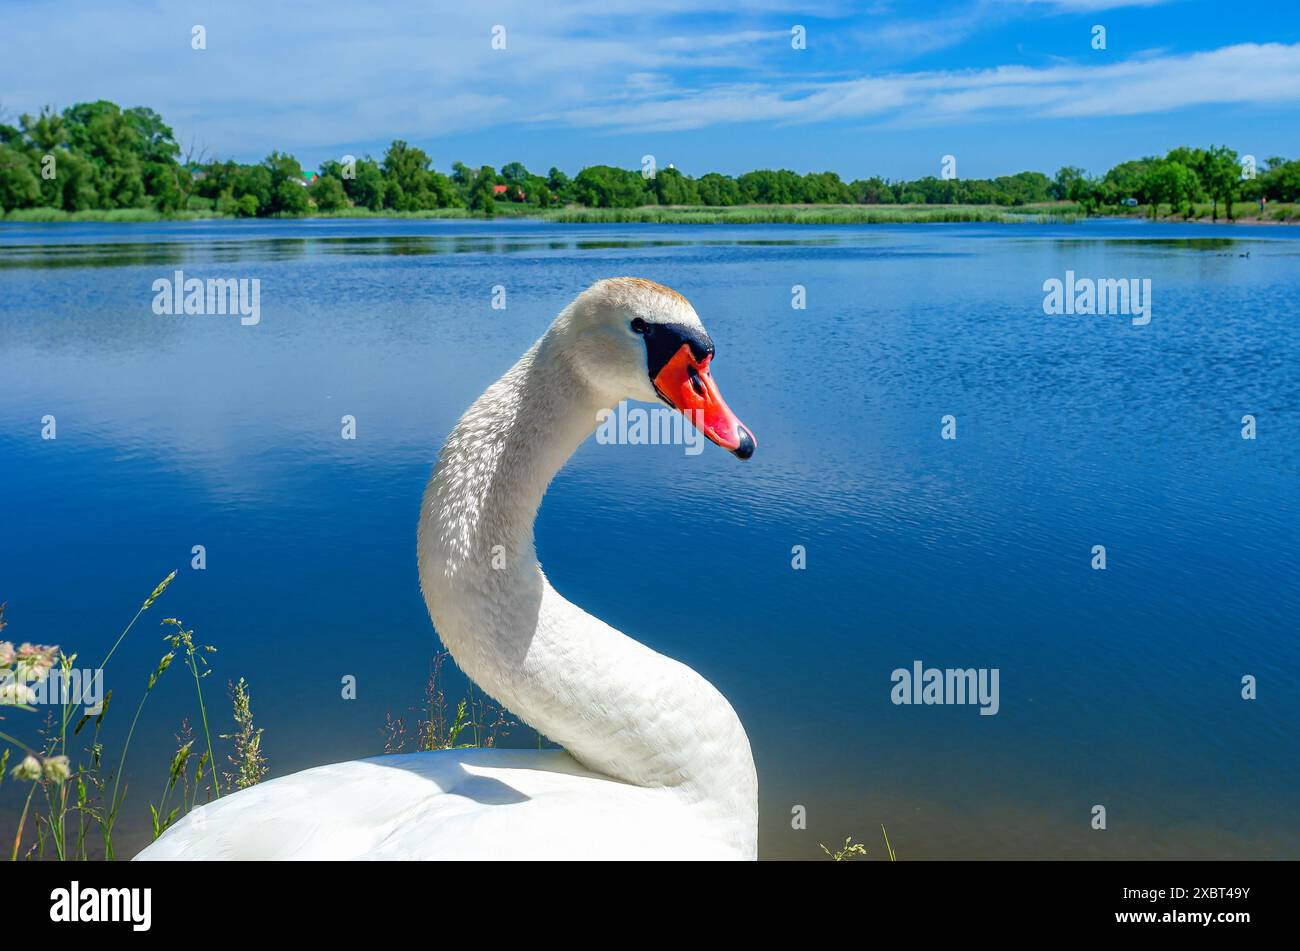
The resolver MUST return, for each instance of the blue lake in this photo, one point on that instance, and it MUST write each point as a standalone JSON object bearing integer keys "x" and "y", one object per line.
{"x": 1120, "y": 687}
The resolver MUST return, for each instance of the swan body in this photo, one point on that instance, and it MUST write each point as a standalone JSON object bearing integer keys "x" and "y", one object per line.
{"x": 655, "y": 763}
{"x": 450, "y": 804}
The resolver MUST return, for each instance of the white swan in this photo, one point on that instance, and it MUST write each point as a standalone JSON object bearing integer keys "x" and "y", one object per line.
{"x": 657, "y": 762}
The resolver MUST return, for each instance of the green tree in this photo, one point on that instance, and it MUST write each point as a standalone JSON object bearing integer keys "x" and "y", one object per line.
{"x": 514, "y": 173}
{"x": 101, "y": 133}
{"x": 1280, "y": 180}
{"x": 1171, "y": 182}
{"x": 19, "y": 186}
{"x": 410, "y": 185}
{"x": 1023, "y": 188}
{"x": 603, "y": 186}
{"x": 256, "y": 181}
{"x": 366, "y": 188}
{"x": 1088, "y": 192}
{"x": 824, "y": 188}
{"x": 1128, "y": 180}
{"x": 537, "y": 192}
{"x": 45, "y": 132}
{"x": 1221, "y": 176}
{"x": 482, "y": 191}
{"x": 462, "y": 175}
{"x": 671, "y": 187}
{"x": 287, "y": 196}
{"x": 781, "y": 187}
{"x": 872, "y": 191}
{"x": 157, "y": 141}
{"x": 559, "y": 185}
{"x": 1065, "y": 178}
{"x": 73, "y": 187}
{"x": 166, "y": 184}
{"x": 328, "y": 193}
{"x": 162, "y": 183}
{"x": 718, "y": 190}
{"x": 243, "y": 206}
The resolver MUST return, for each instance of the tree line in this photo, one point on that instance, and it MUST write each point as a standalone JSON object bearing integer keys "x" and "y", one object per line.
{"x": 99, "y": 156}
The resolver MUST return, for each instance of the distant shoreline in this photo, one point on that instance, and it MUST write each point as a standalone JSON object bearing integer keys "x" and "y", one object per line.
{"x": 1044, "y": 213}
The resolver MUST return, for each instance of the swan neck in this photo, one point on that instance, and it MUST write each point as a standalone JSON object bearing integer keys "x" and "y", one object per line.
{"x": 482, "y": 500}
{"x": 618, "y": 707}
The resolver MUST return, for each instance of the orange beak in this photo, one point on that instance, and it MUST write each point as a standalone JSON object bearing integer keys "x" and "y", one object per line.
{"x": 686, "y": 384}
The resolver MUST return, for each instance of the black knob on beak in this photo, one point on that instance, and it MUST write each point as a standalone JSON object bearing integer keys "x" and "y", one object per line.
{"x": 746, "y": 447}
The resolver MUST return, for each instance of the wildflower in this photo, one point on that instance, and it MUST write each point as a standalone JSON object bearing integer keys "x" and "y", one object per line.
{"x": 13, "y": 693}
{"x": 28, "y": 769}
{"x": 35, "y": 661}
{"x": 56, "y": 768}
{"x": 6, "y": 653}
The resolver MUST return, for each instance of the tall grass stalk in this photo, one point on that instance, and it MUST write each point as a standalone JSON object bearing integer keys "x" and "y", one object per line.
{"x": 249, "y": 763}
{"x": 114, "y": 803}
{"x": 192, "y": 656}
{"x": 22, "y": 822}
{"x": 98, "y": 797}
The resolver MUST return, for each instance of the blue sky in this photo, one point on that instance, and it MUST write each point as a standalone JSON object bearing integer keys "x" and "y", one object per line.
{"x": 883, "y": 88}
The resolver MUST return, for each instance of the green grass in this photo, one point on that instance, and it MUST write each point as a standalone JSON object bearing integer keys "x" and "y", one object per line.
{"x": 42, "y": 215}
{"x": 810, "y": 214}
{"x": 73, "y": 790}
{"x": 78, "y": 792}
{"x": 1047, "y": 212}
{"x": 389, "y": 213}
{"x": 651, "y": 214}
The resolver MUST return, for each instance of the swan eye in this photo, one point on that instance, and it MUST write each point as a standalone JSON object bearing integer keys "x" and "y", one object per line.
{"x": 640, "y": 326}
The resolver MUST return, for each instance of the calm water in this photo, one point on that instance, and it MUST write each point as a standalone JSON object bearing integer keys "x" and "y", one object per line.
{"x": 1119, "y": 687}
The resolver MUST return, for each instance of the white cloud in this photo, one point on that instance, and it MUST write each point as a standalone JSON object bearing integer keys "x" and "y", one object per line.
{"x": 321, "y": 75}
{"x": 1086, "y": 6}
{"x": 305, "y": 75}
{"x": 1243, "y": 74}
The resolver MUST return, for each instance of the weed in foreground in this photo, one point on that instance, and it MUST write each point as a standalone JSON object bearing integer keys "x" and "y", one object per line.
{"x": 67, "y": 802}
{"x": 475, "y": 723}
{"x": 853, "y": 850}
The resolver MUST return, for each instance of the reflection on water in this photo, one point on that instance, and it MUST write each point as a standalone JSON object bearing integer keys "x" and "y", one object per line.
{"x": 121, "y": 254}
{"x": 1119, "y": 687}
{"x": 19, "y": 255}
{"x": 167, "y": 250}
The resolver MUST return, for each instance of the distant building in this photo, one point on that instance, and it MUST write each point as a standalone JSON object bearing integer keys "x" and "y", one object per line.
{"x": 501, "y": 190}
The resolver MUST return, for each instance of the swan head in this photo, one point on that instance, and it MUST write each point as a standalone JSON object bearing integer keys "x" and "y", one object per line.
{"x": 631, "y": 338}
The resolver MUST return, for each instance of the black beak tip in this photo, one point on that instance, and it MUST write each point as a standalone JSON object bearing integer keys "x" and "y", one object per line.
{"x": 746, "y": 447}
